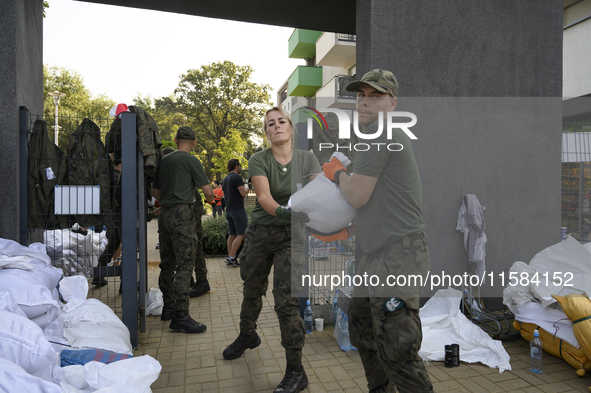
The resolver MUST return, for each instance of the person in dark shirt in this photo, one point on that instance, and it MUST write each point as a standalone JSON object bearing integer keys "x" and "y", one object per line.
{"x": 234, "y": 191}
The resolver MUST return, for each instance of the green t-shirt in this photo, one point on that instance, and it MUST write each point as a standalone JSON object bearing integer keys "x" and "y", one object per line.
{"x": 282, "y": 184}
{"x": 394, "y": 208}
{"x": 177, "y": 176}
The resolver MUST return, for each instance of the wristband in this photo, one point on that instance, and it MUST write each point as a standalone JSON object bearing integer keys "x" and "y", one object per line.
{"x": 337, "y": 174}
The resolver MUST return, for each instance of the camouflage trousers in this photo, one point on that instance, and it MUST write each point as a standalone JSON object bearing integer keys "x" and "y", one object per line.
{"x": 200, "y": 265}
{"x": 178, "y": 244}
{"x": 267, "y": 247}
{"x": 389, "y": 342}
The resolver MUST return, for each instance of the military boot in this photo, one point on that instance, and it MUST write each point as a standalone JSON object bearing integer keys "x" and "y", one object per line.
{"x": 182, "y": 321}
{"x": 295, "y": 379}
{"x": 167, "y": 312}
{"x": 200, "y": 288}
{"x": 241, "y": 344}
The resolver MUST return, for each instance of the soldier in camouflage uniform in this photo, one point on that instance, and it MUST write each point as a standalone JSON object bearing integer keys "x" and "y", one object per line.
{"x": 385, "y": 187}
{"x": 174, "y": 186}
{"x": 275, "y": 240}
{"x": 201, "y": 286}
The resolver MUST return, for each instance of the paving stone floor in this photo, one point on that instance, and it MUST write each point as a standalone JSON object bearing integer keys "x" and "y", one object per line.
{"x": 194, "y": 363}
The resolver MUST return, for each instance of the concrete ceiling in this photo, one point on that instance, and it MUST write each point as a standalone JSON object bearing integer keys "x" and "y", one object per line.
{"x": 325, "y": 15}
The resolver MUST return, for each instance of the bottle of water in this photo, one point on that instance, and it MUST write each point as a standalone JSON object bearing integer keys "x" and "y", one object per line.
{"x": 535, "y": 360}
{"x": 308, "y": 318}
{"x": 335, "y": 308}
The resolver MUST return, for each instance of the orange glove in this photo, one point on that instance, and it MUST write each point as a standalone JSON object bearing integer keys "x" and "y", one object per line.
{"x": 331, "y": 167}
{"x": 342, "y": 235}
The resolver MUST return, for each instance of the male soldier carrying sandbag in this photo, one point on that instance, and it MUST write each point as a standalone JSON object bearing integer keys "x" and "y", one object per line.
{"x": 385, "y": 188}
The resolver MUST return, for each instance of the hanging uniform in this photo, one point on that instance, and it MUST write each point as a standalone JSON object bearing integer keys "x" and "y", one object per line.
{"x": 89, "y": 164}
{"x": 46, "y": 170}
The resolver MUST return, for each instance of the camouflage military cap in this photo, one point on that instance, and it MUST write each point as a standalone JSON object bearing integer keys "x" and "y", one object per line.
{"x": 382, "y": 80}
{"x": 185, "y": 133}
{"x": 168, "y": 150}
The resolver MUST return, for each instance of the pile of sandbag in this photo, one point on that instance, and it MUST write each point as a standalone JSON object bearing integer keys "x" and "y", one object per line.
{"x": 552, "y": 296}
{"x": 74, "y": 250}
{"x": 36, "y": 325}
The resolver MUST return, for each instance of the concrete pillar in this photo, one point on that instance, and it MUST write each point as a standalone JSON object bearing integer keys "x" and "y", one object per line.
{"x": 484, "y": 78}
{"x": 21, "y": 68}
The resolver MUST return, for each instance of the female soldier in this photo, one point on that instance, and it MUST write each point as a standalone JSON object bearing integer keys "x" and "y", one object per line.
{"x": 275, "y": 238}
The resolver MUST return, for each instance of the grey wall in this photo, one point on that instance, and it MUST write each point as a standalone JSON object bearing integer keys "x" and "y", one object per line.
{"x": 484, "y": 79}
{"x": 21, "y": 83}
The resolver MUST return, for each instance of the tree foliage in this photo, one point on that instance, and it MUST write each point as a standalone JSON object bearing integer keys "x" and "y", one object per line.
{"x": 77, "y": 102}
{"x": 224, "y": 108}
{"x": 163, "y": 112}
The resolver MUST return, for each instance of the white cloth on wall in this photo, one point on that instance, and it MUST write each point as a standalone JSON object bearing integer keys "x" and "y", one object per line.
{"x": 471, "y": 224}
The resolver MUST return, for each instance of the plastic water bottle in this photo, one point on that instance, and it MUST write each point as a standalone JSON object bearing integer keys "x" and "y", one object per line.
{"x": 535, "y": 347}
{"x": 335, "y": 308}
{"x": 308, "y": 316}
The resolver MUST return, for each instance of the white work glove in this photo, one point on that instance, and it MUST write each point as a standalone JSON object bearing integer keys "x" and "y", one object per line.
{"x": 342, "y": 158}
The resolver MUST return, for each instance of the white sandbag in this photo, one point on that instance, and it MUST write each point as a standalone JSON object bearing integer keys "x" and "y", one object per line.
{"x": 33, "y": 298}
{"x": 38, "y": 247}
{"x": 13, "y": 378}
{"x": 54, "y": 333}
{"x": 126, "y": 376}
{"x": 73, "y": 380}
{"x": 155, "y": 302}
{"x": 552, "y": 319}
{"x": 8, "y": 303}
{"x": 133, "y": 375}
{"x": 444, "y": 324}
{"x": 18, "y": 262}
{"x": 74, "y": 291}
{"x": 48, "y": 276}
{"x": 13, "y": 249}
{"x": 22, "y": 342}
{"x": 94, "y": 325}
{"x": 74, "y": 253}
{"x": 325, "y": 205}
{"x": 567, "y": 262}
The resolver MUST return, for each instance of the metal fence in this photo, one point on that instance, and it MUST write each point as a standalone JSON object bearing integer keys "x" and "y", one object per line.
{"x": 346, "y": 37}
{"x": 329, "y": 263}
{"x": 576, "y": 180}
{"x": 85, "y": 210}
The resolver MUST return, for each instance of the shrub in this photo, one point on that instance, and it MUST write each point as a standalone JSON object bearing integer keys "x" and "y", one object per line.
{"x": 215, "y": 231}
{"x": 215, "y": 234}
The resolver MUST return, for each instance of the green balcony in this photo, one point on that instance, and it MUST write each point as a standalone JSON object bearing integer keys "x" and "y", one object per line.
{"x": 305, "y": 81}
{"x": 302, "y": 43}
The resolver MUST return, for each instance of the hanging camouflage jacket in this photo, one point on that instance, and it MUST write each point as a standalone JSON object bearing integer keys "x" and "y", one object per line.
{"x": 148, "y": 138}
{"x": 46, "y": 170}
{"x": 89, "y": 164}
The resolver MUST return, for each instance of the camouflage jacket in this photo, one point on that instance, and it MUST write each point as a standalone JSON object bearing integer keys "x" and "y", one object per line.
{"x": 89, "y": 164}
{"x": 46, "y": 170}
{"x": 148, "y": 138}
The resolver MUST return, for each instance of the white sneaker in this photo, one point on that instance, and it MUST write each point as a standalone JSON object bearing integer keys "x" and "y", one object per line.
{"x": 229, "y": 261}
